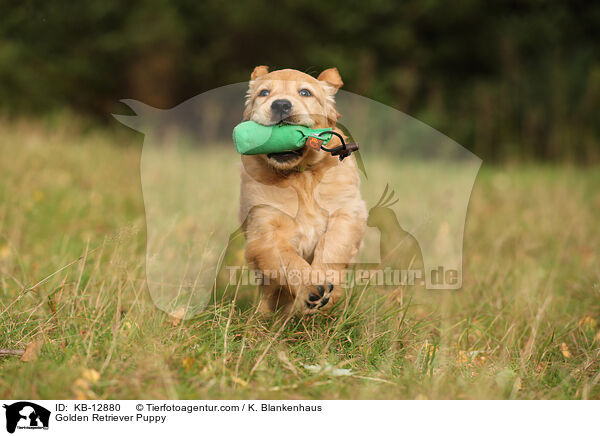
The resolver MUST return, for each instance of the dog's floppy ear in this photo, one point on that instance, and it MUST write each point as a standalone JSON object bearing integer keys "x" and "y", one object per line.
{"x": 332, "y": 77}
{"x": 261, "y": 70}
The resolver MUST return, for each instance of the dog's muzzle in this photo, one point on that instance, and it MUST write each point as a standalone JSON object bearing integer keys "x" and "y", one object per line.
{"x": 287, "y": 156}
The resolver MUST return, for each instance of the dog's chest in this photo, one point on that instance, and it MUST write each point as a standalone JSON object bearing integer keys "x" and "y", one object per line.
{"x": 311, "y": 224}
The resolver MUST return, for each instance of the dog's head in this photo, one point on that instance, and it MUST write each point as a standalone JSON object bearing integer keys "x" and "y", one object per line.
{"x": 292, "y": 97}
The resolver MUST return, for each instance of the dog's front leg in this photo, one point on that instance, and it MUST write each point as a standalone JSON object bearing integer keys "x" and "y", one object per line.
{"x": 338, "y": 247}
{"x": 286, "y": 274}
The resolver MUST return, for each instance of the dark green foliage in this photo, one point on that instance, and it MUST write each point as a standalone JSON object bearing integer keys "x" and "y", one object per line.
{"x": 508, "y": 80}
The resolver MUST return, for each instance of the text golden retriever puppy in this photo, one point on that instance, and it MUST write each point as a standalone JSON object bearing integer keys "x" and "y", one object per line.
{"x": 303, "y": 216}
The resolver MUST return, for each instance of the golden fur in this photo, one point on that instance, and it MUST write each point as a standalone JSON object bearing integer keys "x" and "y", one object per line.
{"x": 301, "y": 214}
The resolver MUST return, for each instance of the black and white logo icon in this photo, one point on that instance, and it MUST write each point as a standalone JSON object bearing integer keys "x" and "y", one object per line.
{"x": 26, "y": 415}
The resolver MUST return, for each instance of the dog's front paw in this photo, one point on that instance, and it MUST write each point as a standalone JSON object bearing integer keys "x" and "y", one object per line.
{"x": 316, "y": 297}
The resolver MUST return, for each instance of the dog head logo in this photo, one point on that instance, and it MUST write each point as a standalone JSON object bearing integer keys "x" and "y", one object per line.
{"x": 191, "y": 185}
{"x": 26, "y": 415}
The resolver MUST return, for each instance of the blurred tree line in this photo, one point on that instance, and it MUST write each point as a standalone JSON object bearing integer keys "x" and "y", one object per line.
{"x": 507, "y": 79}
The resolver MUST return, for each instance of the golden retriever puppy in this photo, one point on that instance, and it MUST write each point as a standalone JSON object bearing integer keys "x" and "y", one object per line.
{"x": 301, "y": 212}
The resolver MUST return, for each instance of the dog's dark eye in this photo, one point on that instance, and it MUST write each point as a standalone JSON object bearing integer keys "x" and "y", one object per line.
{"x": 304, "y": 92}
{"x": 264, "y": 93}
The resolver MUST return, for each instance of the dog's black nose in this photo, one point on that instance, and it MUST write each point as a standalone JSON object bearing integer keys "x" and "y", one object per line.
{"x": 281, "y": 107}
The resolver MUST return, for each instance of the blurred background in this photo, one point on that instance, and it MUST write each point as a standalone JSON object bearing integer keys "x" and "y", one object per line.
{"x": 509, "y": 80}
{"x": 517, "y": 82}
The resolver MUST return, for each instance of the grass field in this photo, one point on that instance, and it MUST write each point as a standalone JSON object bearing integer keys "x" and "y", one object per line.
{"x": 73, "y": 295}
